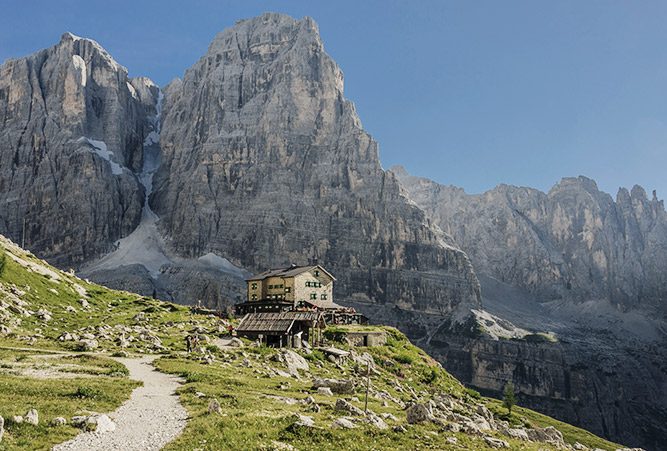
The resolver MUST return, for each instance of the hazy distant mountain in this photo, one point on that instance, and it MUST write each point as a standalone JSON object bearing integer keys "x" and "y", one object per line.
{"x": 576, "y": 263}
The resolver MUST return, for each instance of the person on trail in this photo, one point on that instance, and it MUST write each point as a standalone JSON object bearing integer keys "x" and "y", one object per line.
{"x": 188, "y": 343}
{"x": 195, "y": 342}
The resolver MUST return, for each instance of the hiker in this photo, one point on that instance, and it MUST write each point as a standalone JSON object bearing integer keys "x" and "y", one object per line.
{"x": 188, "y": 343}
{"x": 195, "y": 342}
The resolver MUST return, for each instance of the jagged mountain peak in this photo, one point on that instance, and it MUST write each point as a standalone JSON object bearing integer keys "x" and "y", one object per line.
{"x": 89, "y": 49}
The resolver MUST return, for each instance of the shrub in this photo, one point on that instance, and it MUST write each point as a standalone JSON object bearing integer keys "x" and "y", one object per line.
{"x": 404, "y": 357}
{"x": 473, "y": 393}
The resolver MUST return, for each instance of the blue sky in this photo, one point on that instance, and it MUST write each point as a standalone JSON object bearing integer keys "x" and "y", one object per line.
{"x": 466, "y": 93}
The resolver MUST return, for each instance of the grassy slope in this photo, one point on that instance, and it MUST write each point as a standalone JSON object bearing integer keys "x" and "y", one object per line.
{"x": 251, "y": 419}
{"x": 58, "y": 397}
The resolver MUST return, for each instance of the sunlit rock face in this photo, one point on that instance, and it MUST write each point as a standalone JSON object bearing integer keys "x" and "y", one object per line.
{"x": 575, "y": 263}
{"x": 71, "y": 131}
{"x": 265, "y": 162}
{"x": 573, "y": 243}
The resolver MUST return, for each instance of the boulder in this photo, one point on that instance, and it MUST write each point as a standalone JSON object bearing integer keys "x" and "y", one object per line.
{"x": 294, "y": 362}
{"x": 236, "y": 342}
{"x": 2, "y": 427}
{"x": 32, "y": 417}
{"x": 419, "y": 413}
{"x": 343, "y": 405}
{"x": 548, "y": 434}
{"x": 517, "y": 433}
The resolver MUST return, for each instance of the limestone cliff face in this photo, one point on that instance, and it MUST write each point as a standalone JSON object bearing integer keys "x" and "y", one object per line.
{"x": 573, "y": 243}
{"x": 265, "y": 162}
{"x": 71, "y": 131}
{"x": 576, "y": 263}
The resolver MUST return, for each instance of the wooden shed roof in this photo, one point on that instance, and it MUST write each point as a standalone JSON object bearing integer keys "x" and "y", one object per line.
{"x": 275, "y": 322}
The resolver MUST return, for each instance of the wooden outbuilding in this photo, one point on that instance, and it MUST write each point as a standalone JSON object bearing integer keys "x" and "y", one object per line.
{"x": 283, "y": 329}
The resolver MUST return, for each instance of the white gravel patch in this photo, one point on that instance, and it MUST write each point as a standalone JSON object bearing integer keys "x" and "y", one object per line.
{"x": 150, "y": 419}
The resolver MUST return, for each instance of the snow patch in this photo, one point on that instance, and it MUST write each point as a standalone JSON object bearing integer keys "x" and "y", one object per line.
{"x": 224, "y": 265}
{"x": 80, "y": 66}
{"x": 100, "y": 148}
{"x": 133, "y": 91}
{"x": 497, "y": 327}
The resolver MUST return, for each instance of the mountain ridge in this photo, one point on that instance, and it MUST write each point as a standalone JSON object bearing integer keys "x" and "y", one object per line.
{"x": 264, "y": 162}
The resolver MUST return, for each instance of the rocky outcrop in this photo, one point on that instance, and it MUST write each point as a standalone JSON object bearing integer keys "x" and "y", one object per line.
{"x": 577, "y": 264}
{"x": 265, "y": 162}
{"x": 72, "y": 126}
{"x": 574, "y": 243}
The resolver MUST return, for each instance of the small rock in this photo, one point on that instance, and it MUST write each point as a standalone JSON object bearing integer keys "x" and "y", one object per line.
{"x": 388, "y": 416}
{"x": 17, "y": 419}
{"x": 452, "y": 440}
{"x": 344, "y": 423}
{"x": 376, "y": 421}
{"x": 344, "y": 406}
{"x": 214, "y": 406}
{"x": 324, "y": 391}
{"x": 236, "y": 342}
{"x": 32, "y": 417}
{"x": 58, "y": 421}
{"x": 100, "y": 423}
{"x": 2, "y": 427}
{"x": 281, "y": 446}
{"x": 304, "y": 421}
{"x": 336, "y": 385}
{"x": 88, "y": 345}
{"x": 496, "y": 442}
{"x": 200, "y": 394}
{"x": 79, "y": 421}
{"x": 400, "y": 428}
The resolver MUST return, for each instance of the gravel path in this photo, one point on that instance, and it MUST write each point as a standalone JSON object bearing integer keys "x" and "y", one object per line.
{"x": 150, "y": 419}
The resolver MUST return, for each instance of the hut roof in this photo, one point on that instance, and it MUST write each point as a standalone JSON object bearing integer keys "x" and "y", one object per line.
{"x": 289, "y": 271}
{"x": 275, "y": 322}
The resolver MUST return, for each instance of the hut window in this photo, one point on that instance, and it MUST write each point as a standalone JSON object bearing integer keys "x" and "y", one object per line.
{"x": 307, "y": 284}
{"x": 288, "y": 289}
{"x": 324, "y": 296}
{"x": 254, "y": 297}
{"x": 317, "y": 273}
{"x": 313, "y": 296}
{"x": 253, "y": 286}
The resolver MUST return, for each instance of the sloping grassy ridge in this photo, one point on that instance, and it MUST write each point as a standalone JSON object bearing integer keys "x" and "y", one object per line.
{"x": 42, "y": 308}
